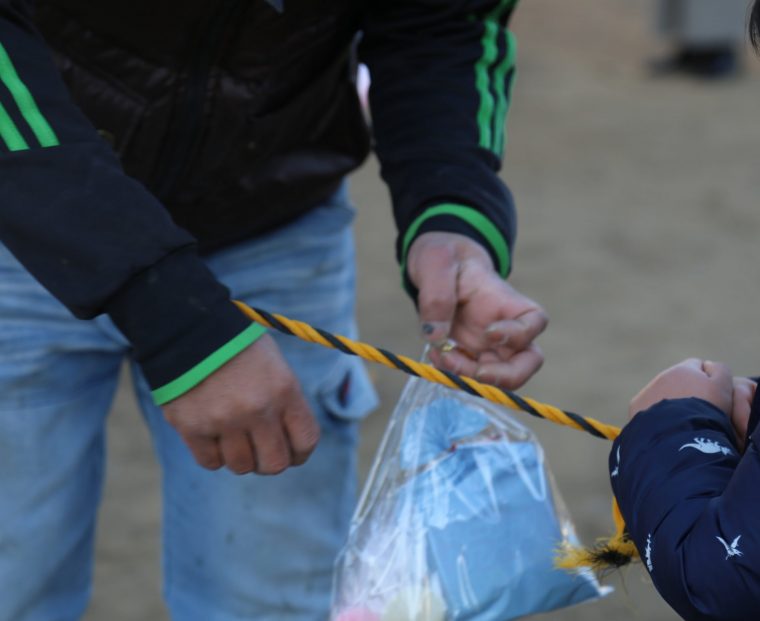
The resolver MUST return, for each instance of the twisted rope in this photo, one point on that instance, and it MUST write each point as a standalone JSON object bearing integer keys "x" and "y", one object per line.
{"x": 613, "y": 552}
{"x": 426, "y": 371}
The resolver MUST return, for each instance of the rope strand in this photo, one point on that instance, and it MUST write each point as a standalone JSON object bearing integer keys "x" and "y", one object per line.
{"x": 426, "y": 371}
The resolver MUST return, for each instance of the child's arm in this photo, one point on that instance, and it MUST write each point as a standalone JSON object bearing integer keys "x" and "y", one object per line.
{"x": 690, "y": 500}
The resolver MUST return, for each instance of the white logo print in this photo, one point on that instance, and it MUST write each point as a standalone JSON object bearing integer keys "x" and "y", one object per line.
{"x": 733, "y": 549}
{"x": 648, "y": 553}
{"x": 707, "y": 446}
{"x": 616, "y": 471}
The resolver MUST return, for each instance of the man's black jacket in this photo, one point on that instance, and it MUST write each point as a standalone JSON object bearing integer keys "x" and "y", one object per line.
{"x": 182, "y": 127}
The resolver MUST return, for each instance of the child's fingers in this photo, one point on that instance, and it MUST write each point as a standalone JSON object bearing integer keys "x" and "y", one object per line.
{"x": 693, "y": 377}
{"x": 718, "y": 371}
{"x": 744, "y": 393}
{"x": 720, "y": 392}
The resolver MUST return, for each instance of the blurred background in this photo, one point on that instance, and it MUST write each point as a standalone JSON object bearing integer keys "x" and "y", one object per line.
{"x": 637, "y": 191}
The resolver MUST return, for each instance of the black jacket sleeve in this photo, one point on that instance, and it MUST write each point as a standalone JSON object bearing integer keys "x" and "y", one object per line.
{"x": 442, "y": 73}
{"x": 691, "y": 503}
{"x": 95, "y": 238}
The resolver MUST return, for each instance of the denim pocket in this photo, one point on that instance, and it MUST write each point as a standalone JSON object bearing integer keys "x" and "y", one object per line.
{"x": 347, "y": 394}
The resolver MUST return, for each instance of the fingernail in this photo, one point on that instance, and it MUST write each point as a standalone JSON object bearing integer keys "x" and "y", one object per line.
{"x": 495, "y": 335}
{"x": 498, "y": 339}
{"x": 439, "y": 330}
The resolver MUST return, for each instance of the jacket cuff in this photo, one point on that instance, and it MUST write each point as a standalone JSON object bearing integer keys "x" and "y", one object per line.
{"x": 649, "y": 459}
{"x": 181, "y": 323}
{"x": 455, "y": 218}
{"x": 191, "y": 378}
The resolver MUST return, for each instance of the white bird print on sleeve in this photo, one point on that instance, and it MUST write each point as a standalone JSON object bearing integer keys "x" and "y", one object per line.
{"x": 733, "y": 549}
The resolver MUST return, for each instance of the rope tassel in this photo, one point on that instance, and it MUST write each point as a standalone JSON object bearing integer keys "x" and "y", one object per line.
{"x": 615, "y": 552}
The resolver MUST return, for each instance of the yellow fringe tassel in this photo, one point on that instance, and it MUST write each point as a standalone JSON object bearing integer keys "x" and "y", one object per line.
{"x": 613, "y": 553}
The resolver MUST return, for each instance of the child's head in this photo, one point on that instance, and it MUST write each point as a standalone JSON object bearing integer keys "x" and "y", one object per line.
{"x": 754, "y": 25}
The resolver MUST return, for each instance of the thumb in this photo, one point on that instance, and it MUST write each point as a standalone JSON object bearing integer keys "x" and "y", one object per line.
{"x": 435, "y": 276}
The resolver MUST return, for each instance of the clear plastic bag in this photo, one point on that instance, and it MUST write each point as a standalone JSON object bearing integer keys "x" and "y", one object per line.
{"x": 459, "y": 520}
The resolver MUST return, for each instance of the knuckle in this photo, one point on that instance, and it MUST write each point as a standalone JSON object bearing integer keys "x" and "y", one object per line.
{"x": 274, "y": 465}
{"x": 282, "y": 386}
{"x": 434, "y": 300}
{"x": 215, "y": 419}
{"x": 240, "y": 467}
{"x": 310, "y": 439}
{"x": 288, "y": 387}
{"x": 542, "y": 318}
{"x": 210, "y": 462}
{"x": 440, "y": 254}
{"x": 194, "y": 428}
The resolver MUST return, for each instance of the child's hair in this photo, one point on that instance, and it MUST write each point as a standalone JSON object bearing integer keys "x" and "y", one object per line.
{"x": 754, "y": 25}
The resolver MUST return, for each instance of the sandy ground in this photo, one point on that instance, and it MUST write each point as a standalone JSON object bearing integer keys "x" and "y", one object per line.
{"x": 638, "y": 228}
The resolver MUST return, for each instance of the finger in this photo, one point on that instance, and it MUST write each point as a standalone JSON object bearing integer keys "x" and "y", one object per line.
{"x": 718, "y": 371}
{"x": 685, "y": 368}
{"x": 206, "y": 451}
{"x": 270, "y": 446}
{"x": 515, "y": 372}
{"x": 437, "y": 300}
{"x": 518, "y": 333}
{"x": 690, "y": 363}
{"x": 238, "y": 452}
{"x": 743, "y": 386}
{"x": 744, "y": 392}
{"x": 454, "y": 361}
{"x": 301, "y": 429}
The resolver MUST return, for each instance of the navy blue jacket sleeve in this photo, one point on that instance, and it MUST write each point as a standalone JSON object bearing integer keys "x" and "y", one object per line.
{"x": 691, "y": 503}
{"x": 95, "y": 238}
{"x": 442, "y": 74}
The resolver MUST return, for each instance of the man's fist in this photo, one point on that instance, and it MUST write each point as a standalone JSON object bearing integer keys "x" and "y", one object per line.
{"x": 249, "y": 415}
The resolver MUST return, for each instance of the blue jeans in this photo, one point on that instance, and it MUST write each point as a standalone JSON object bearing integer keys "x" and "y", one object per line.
{"x": 234, "y": 547}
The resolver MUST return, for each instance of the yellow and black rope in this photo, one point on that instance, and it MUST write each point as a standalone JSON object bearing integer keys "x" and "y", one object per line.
{"x": 507, "y": 398}
{"x": 617, "y": 551}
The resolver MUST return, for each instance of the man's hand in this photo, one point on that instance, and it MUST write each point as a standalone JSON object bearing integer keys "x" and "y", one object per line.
{"x": 703, "y": 379}
{"x": 462, "y": 297}
{"x": 249, "y": 415}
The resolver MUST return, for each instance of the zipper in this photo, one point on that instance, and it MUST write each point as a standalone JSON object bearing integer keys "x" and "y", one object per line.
{"x": 184, "y": 138}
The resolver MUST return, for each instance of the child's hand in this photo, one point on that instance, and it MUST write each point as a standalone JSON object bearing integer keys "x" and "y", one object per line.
{"x": 703, "y": 379}
{"x": 744, "y": 392}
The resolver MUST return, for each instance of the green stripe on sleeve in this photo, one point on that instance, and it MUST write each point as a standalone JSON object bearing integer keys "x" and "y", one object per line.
{"x": 25, "y": 102}
{"x": 502, "y": 96}
{"x": 193, "y": 377}
{"x": 475, "y": 219}
{"x": 9, "y": 132}
{"x": 488, "y": 108}
{"x": 483, "y": 82}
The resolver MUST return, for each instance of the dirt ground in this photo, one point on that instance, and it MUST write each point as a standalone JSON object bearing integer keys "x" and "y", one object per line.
{"x": 639, "y": 221}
